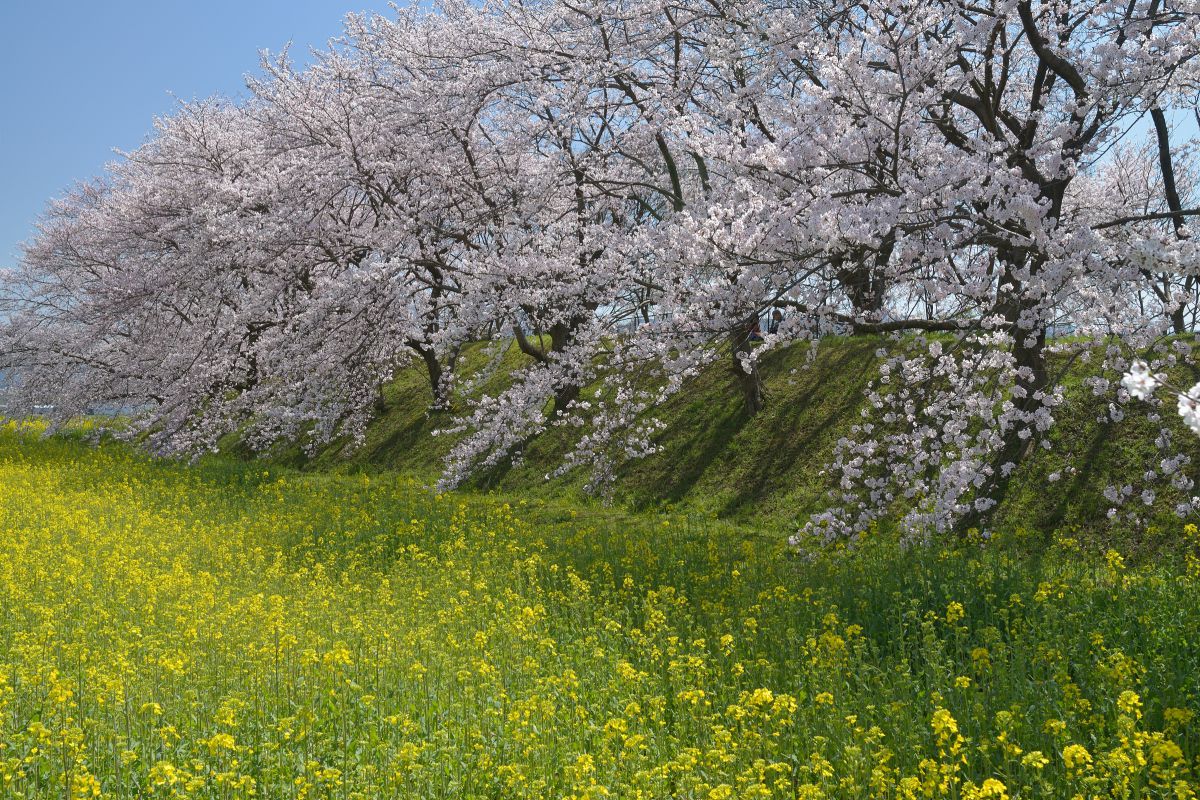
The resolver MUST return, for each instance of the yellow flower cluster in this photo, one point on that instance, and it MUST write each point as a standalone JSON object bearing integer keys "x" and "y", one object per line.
{"x": 234, "y": 631}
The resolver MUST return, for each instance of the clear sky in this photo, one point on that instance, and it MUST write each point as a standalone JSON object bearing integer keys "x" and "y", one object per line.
{"x": 80, "y": 78}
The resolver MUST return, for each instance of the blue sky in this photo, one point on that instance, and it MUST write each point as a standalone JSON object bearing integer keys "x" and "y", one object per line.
{"x": 80, "y": 78}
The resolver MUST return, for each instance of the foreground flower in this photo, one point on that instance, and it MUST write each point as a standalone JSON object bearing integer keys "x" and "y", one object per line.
{"x": 1189, "y": 408}
{"x": 1139, "y": 382}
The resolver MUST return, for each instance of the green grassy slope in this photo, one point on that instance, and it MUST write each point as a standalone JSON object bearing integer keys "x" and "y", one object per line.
{"x": 767, "y": 471}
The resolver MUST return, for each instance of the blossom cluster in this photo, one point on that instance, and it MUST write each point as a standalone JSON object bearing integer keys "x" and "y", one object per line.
{"x": 1141, "y": 384}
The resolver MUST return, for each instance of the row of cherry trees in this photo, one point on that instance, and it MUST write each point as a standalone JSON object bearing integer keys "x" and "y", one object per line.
{"x": 623, "y": 190}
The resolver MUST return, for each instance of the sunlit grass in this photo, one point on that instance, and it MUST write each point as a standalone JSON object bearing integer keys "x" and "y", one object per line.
{"x": 231, "y": 631}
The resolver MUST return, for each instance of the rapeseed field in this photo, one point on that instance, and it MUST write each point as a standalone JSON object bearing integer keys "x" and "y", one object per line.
{"x": 231, "y": 631}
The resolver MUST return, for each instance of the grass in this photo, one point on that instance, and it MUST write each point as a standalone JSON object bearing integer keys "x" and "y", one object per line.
{"x": 767, "y": 471}
{"x": 236, "y": 630}
{"x": 713, "y": 460}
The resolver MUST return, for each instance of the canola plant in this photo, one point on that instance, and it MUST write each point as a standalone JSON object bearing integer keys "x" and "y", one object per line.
{"x": 231, "y": 630}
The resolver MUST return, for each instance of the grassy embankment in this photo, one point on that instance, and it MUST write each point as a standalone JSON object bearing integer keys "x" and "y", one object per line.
{"x": 767, "y": 472}
{"x": 231, "y": 630}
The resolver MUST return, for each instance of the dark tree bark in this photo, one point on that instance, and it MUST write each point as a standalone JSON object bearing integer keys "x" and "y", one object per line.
{"x": 749, "y": 383}
{"x": 1171, "y": 193}
{"x": 1029, "y": 353}
{"x": 863, "y": 277}
{"x": 435, "y": 372}
{"x": 560, "y": 334}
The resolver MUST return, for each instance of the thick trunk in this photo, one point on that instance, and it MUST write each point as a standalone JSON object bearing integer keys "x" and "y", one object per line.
{"x": 560, "y": 336}
{"x": 564, "y": 397}
{"x": 1179, "y": 320}
{"x": 863, "y": 278}
{"x": 749, "y": 382}
{"x": 433, "y": 369}
{"x": 435, "y": 373}
{"x": 1029, "y": 353}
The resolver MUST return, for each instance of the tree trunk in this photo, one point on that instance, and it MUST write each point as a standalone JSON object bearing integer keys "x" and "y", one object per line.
{"x": 564, "y": 397}
{"x": 748, "y": 382}
{"x": 863, "y": 277}
{"x": 1171, "y": 193}
{"x": 1179, "y": 320}
{"x": 1032, "y": 378}
{"x": 435, "y": 373}
{"x": 560, "y": 336}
